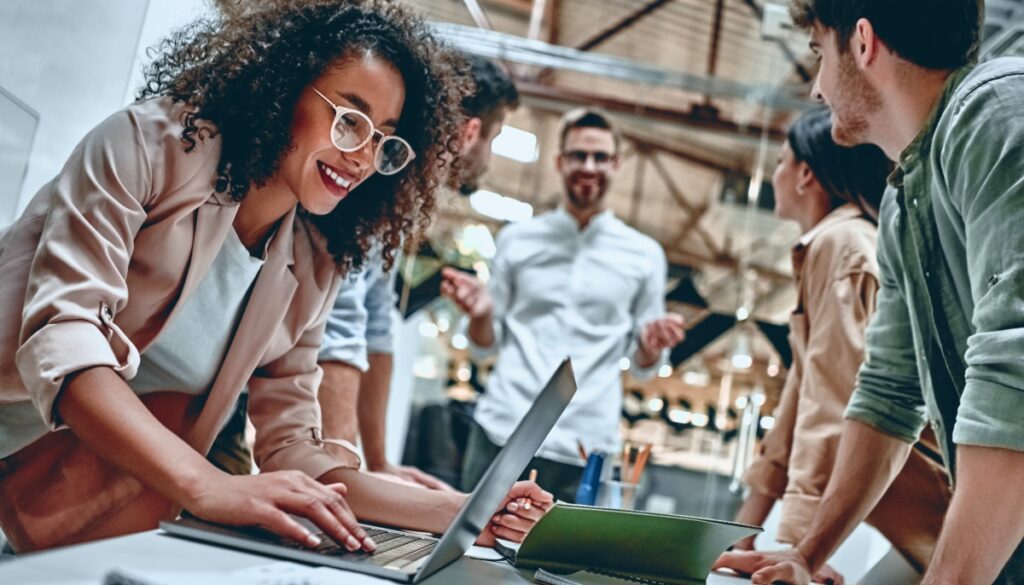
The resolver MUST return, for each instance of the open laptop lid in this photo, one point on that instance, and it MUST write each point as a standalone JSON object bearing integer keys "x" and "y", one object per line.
{"x": 503, "y": 472}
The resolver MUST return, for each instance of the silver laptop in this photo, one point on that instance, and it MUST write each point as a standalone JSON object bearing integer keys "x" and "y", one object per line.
{"x": 411, "y": 557}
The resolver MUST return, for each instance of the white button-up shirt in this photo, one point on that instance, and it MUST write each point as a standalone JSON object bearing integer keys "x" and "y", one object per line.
{"x": 559, "y": 292}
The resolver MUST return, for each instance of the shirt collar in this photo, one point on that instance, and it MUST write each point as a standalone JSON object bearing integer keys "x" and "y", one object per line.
{"x": 597, "y": 222}
{"x": 919, "y": 147}
{"x": 838, "y": 215}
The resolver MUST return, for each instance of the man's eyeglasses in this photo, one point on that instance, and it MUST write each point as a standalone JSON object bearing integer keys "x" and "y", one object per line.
{"x": 578, "y": 158}
{"x": 351, "y": 131}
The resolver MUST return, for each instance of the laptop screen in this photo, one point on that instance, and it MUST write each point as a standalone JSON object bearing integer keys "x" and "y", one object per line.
{"x": 504, "y": 470}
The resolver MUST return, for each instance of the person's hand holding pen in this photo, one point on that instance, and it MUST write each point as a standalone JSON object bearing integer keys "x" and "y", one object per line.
{"x": 525, "y": 504}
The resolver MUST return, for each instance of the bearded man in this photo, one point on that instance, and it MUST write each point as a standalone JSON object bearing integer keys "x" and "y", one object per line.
{"x": 574, "y": 282}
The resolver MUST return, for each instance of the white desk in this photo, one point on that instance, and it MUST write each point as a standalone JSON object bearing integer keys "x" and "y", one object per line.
{"x": 157, "y": 553}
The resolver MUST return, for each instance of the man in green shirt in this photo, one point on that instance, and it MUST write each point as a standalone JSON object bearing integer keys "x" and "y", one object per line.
{"x": 947, "y": 342}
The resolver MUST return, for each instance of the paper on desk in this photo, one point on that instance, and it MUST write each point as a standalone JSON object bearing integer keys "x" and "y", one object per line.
{"x": 285, "y": 573}
{"x": 277, "y": 573}
{"x": 483, "y": 553}
{"x": 137, "y": 577}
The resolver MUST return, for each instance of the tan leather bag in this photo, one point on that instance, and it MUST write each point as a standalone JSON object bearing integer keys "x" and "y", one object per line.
{"x": 57, "y": 491}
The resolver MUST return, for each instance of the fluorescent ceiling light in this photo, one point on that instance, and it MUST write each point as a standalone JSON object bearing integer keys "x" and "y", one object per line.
{"x": 500, "y": 207}
{"x": 518, "y": 145}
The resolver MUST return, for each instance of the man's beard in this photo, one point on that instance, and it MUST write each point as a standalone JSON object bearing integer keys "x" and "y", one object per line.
{"x": 850, "y": 121}
{"x": 589, "y": 200}
{"x": 468, "y": 181}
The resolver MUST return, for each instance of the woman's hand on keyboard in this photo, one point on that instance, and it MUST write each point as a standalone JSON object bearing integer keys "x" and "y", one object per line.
{"x": 267, "y": 500}
{"x": 524, "y": 505}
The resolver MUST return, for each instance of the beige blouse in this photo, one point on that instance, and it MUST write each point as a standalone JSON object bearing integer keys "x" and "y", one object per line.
{"x": 837, "y": 282}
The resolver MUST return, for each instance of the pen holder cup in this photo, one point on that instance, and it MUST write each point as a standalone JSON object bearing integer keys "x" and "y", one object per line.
{"x": 620, "y": 495}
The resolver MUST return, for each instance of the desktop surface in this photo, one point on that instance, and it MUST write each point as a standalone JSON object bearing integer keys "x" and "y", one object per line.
{"x": 158, "y": 553}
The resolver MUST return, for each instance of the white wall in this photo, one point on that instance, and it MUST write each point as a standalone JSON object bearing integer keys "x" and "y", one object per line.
{"x": 72, "y": 62}
{"x": 162, "y": 17}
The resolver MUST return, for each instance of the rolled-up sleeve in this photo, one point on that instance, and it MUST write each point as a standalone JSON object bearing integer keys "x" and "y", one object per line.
{"x": 985, "y": 148}
{"x": 888, "y": 394}
{"x": 380, "y": 308}
{"x": 648, "y": 306}
{"x": 768, "y": 474}
{"x": 284, "y": 409}
{"x": 77, "y": 281}
{"x": 345, "y": 333}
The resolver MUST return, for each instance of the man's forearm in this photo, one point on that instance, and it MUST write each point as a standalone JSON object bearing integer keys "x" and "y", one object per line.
{"x": 481, "y": 330}
{"x": 338, "y": 396}
{"x": 645, "y": 358}
{"x": 984, "y": 524}
{"x": 866, "y": 464}
{"x": 373, "y": 406}
{"x": 380, "y": 501}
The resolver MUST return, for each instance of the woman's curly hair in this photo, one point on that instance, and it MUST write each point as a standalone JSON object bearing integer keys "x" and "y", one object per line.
{"x": 245, "y": 71}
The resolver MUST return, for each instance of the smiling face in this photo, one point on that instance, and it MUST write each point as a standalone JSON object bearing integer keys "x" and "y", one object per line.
{"x": 588, "y": 164}
{"x": 314, "y": 170}
{"x": 845, "y": 89}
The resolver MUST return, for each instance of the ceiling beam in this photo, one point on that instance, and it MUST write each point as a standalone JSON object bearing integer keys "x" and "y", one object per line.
{"x": 676, "y": 256}
{"x": 693, "y": 214}
{"x": 538, "y": 12}
{"x": 802, "y": 71}
{"x": 518, "y": 49}
{"x": 609, "y": 32}
{"x": 622, "y": 24}
{"x": 691, "y": 157}
{"x": 716, "y": 39}
{"x": 519, "y": 7}
{"x": 702, "y": 118}
{"x": 479, "y": 14}
{"x": 642, "y": 156}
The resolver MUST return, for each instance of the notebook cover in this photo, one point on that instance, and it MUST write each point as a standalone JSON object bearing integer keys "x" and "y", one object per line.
{"x": 657, "y": 548}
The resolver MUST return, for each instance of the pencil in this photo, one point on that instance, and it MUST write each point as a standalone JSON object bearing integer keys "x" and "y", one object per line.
{"x": 582, "y": 451}
{"x": 641, "y": 461}
{"x": 624, "y": 468}
{"x": 533, "y": 479}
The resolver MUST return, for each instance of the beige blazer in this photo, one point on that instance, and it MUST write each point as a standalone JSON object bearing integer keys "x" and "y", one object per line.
{"x": 104, "y": 256}
{"x": 837, "y": 282}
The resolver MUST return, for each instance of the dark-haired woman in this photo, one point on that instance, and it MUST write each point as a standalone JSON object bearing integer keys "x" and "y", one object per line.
{"x": 192, "y": 246}
{"x": 833, "y": 193}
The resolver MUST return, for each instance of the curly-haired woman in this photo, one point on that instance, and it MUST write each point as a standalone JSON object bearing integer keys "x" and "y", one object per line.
{"x": 192, "y": 246}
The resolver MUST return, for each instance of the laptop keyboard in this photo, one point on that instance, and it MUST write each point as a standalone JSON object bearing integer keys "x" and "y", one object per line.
{"x": 395, "y": 550}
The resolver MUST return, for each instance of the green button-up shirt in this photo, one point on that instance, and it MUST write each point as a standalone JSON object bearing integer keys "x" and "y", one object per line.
{"x": 947, "y": 341}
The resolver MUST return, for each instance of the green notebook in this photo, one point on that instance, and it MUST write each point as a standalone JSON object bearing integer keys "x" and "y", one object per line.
{"x": 635, "y": 546}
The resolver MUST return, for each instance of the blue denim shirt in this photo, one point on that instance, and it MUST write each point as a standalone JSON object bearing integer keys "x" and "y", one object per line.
{"x": 360, "y": 322}
{"x": 947, "y": 341}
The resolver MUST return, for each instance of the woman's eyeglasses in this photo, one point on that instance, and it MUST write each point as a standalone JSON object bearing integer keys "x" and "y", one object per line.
{"x": 351, "y": 131}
